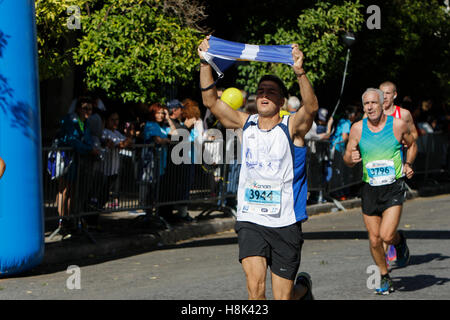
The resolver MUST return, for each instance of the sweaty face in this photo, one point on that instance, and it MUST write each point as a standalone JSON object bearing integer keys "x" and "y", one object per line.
{"x": 389, "y": 95}
{"x": 372, "y": 106}
{"x": 268, "y": 98}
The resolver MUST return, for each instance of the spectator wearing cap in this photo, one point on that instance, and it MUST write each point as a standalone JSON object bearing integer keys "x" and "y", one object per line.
{"x": 175, "y": 108}
{"x": 321, "y": 128}
{"x": 179, "y": 191}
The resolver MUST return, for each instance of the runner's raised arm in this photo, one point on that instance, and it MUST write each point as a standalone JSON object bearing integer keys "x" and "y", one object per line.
{"x": 229, "y": 117}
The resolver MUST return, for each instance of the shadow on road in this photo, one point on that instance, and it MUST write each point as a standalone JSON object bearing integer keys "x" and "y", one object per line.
{"x": 426, "y": 258}
{"x": 417, "y": 282}
{"x": 343, "y": 235}
{"x": 331, "y": 235}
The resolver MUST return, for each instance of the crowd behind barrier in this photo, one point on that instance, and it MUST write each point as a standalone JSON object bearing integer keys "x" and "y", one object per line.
{"x": 133, "y": 179}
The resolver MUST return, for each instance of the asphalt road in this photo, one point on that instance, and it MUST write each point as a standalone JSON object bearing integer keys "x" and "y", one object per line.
{"x": 335, "y": 253}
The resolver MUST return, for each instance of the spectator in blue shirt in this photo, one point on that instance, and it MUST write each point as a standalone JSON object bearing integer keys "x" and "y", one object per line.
{"x": 338, "y": 143}
{"x": 75, "y": 133}
{"x": 340, "y": 137}
{"x": 157, "y": 131}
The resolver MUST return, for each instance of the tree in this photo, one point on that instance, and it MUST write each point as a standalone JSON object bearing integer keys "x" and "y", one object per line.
{"x": 134, "y": 50}
{"x": 411, "y": 49}
{"x": 318, "y": 32}
{"x": 54, "y": 38}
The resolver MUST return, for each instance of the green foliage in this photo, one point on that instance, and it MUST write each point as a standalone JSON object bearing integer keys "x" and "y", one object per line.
{"x": 133, "y": 51}
{"x": 411, "y": 49}
{"x": 318, "y": 33}
{"x": 53, "y": 37}
{"x": 136, "y": 49}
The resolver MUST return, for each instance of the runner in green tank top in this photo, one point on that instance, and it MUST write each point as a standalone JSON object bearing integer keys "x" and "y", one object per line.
{"x": 383, "y": 192}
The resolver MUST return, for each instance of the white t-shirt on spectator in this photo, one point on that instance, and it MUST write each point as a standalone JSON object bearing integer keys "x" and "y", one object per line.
{"x": 112, "y": 159}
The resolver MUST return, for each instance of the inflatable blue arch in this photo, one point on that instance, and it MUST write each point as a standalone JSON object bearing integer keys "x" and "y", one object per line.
{"x": 21, "y": 209}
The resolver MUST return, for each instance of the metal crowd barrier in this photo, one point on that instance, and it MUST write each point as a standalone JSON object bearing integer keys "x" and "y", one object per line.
{"x": 432, "y": 154}
{"x": 144, "y": 177}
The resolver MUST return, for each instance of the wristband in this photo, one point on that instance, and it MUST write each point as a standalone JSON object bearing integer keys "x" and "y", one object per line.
{"x": 409, "y": 164}
{"x": 209, "y": 87}
{"x": 299, "y": 74}
{"x": 203, "y": 61}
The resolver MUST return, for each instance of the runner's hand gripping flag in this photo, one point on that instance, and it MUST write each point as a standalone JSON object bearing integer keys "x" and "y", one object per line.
{"x": 222, "y": 54}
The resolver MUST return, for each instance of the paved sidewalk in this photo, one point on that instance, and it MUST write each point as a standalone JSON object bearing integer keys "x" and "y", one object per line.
{"x": 127, "y": 231}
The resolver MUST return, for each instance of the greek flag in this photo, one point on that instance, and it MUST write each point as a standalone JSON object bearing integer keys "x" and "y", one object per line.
{"x": 222, "y": 54}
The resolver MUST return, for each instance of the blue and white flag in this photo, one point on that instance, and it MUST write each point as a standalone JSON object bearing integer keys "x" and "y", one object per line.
{"x": 222, "y": 54}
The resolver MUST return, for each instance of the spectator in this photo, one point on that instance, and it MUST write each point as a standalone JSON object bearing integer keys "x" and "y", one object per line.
{"x": 324, "y": 126}
{"x": 322, "y": 130}
{"x": 338, "y": 141}
{"x": 250, "y": 106}
{"x": 192, "y": 120}
{"x": 75, "y": 132}
{"x": 175, "y": 113}
{"x": 96, "y": 124}
{"x": 114, "y": 141}
{"x": 340, "y": 136}
{"x": 319, "y": 152}
{"x": 293, "y": 104}
{"x": 182, "y": 173}
{"x": 424, "y": 117}
{"x": 407, "y": 104}
{"x": 156, "y": 131}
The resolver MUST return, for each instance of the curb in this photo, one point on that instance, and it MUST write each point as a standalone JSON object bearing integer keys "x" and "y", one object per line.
{"x": 63, "y": 252}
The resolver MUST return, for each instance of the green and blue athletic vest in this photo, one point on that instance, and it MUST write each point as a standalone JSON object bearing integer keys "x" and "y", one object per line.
{"x": 381, "y": 154}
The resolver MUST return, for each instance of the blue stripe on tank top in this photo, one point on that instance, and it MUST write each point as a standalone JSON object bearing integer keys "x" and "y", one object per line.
{"x": 299, "y": 183}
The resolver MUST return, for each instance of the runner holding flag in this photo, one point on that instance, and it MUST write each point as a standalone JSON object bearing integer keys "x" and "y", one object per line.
{"x": 272, "y": 183}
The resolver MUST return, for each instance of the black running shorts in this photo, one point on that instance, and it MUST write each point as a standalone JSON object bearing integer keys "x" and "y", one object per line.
{"x": 280, "y": 246}
{"x": 375, "y": 200}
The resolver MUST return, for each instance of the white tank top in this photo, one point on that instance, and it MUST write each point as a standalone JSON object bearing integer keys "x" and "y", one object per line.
{"x": 272, "y": 182}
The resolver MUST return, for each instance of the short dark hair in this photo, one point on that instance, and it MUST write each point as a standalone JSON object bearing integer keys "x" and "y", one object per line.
{"x": 82, "y": 100}
{"x": 278, "y": 81}
{"x": 351, "y": 109}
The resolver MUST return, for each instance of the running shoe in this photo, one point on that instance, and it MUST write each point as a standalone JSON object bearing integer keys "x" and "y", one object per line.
{"x": 391, "y": 253}
{"x": 391, "y": 256}
{"x": 305, "y": 279}
{"x": 402, "y": 249}
{"x": 386, "y": 286}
